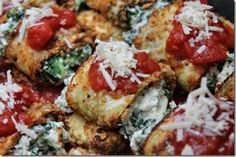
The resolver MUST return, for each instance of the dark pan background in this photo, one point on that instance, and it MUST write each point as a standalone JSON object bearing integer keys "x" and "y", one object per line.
{"x": 224, "y": 8}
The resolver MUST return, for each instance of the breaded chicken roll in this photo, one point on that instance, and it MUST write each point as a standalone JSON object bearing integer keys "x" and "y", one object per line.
{"x": 203, "y": 125}
{"x": 95, "y": 138}
{"x": 108, "y": 87}
{"x": 189, "y": 36}
{"x": 50, "y": 42}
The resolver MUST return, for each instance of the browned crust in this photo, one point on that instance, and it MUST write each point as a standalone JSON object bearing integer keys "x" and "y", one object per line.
{"x": 156, "y": 141}
{"x": 154, "y": 36}
{"x": 37, "y": 112}
{"x": 30, "y": 61}
{"x": 92, "y": 105}
{"x": 226, "y": 89}
{"x": 95, "y": 138}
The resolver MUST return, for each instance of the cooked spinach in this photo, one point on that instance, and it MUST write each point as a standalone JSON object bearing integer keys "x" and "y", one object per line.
{"x": 79, "y": 4}
{"x": 14, "y": 15}
{"x": 138, "y": 17}
{"x": 168, "y": 90}
{"x": 211, "y": 82}
{"x": 57, "y": 68}
{"x": 49, "y": 140}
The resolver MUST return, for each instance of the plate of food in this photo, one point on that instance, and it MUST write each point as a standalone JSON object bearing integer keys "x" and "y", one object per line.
{"x": 117, "y": 77}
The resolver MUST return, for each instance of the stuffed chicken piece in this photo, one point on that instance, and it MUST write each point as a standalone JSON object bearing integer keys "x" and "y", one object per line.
{"x": 21, "y": 108}
{"x": 97, "y": 139}
{"x": 134, "y": 102}
{"x": 188, "y": 46}
{"x": 203, "y": 125}
{"x": 119, "y": 11}
{"x": 48, "y": 43}
{"x": 104, "y": 88}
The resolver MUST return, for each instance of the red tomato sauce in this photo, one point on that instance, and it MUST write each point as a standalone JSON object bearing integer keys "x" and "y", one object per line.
{"x": 216, "y": 46}
{"x": 39, "y": 35}
{"x": 23, "y": 101}
{"x": 203, "y": 144}
{"x": 145, "y": 65}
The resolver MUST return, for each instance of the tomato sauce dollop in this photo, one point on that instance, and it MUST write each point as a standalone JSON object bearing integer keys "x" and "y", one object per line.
{"x": 144, "y": 65}
{"x": 39, "y": 35}
{"x": 23, "y": 100}
{"x": 217, "y": 44}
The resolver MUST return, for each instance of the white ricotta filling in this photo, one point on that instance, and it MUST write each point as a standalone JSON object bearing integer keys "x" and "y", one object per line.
{"x": 227, "y": 70}
{"x": 61, "y": 101}
{"x": 150, "y": 108}
{"x": 49, "y": 140}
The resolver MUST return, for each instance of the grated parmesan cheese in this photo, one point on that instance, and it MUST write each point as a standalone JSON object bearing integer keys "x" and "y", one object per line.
{"x": 2, "y": 107}
{"x": 134, "y": 78}
{"x": 196, "y": 15}
{"x": 5, "y": 121}
{"x": 142, "y": 75}
{"x": 216, "y": 29}
{"x": 118, "y": 56}
{"x": 201, "y": 49}
{"x": 180, "y": 135}
{"x": 107, "y": 77}
{"x": 200, "y": 109}
{"x": 68, "y": 42}
{"x": 7, "y": 91}
{"x": 187, "y": 150}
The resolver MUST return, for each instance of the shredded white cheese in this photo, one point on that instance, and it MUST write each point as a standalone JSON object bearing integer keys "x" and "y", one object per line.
{"x": 187, "y": 150}
{"x": 119, "y": 57}
{"x": 227, "y": 70}
{"x": 134, "y": 78}
{"x": 201, "y": 49}
{"x": 107, "y": 77}
{"x": 142, "y": 75}
{"x": 7, "y": 91}
{"x": 69, "y": 44}
{"x": 200, "y": 110}
{"x": 180, "y": 135}
{"x": 196, "y": 15}
{"x": 5, "y": 121}
{"x": 216, "y": 29}
{"x": 2, "y": 107}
